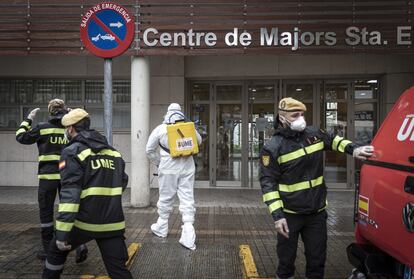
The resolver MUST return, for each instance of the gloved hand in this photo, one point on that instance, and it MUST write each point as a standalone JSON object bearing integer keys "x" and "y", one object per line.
{"x": 32, "y": 114}
{"x": 63, "y": 246}
{"x": 282, "y": 227}
{"x": 363, "y": 152}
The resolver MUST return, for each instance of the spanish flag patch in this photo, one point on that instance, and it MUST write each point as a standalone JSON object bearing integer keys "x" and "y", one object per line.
{"x": 62, "y": 164}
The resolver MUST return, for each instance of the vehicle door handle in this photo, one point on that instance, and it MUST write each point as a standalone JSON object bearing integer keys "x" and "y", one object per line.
{"x": 411, "y": 159}
{"x": 409, "y": 185}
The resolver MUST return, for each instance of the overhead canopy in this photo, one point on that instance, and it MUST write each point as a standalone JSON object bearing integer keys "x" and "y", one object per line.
{"x": 52, "y": 27}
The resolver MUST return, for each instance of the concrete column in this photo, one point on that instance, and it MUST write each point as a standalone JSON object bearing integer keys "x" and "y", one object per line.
{"x": 140, "y": 112}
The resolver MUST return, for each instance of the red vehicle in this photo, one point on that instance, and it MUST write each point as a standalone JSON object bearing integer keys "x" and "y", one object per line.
{"x": 384, "y": 212}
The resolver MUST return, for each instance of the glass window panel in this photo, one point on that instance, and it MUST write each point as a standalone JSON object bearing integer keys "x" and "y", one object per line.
{"x": 94, "y": 91}
{"x": 262, "y": 92}
{"x": 229, "y": 92}
{"x": 43, "y": 91}
{"x": 365, "y": 119}
{"x": 122, "y": 91}
{"x": 9, "y": 117}
{"x": 261, "y": 119}
{"x": 366, "y": 89}
{"x": 300, "y": 91}
{"x": 229, "y": 140}
{"x": 200, "y": 92}
{"x": 337, "y": 91}
{"x": 200, "y": 114}
{"x": 69, "y": 90}
{"x": 15, "y": 91}
{"x": 121, "y": 118}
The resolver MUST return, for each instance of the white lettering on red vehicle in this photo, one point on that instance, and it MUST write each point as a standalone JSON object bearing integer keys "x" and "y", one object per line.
{"x": 407, "y": 129}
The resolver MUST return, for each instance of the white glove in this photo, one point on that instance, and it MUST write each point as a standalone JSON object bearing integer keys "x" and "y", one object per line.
{"x": 63, "y": 246}
{"x": 363, "y": 152}
{"x": 282, "y": 227}
{"x": 32, "y": 114}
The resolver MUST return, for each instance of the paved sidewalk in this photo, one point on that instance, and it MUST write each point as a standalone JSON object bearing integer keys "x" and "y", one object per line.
{"x": 225, "y": 219}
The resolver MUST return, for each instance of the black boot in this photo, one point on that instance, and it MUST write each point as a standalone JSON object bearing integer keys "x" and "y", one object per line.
{"x": 81, "y": 253}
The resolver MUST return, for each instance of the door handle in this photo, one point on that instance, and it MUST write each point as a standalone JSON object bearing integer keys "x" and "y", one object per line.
{"x": 409, "y": 185}
{"x": 411, "y": 159}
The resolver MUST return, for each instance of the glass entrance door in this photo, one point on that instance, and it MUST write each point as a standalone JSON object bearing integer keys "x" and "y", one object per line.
{"x": 336, "y": 121}
{"x": 262, "y": 99}
{"x": 229, "y": 134}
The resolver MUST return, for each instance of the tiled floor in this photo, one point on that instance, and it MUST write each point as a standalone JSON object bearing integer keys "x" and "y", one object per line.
{"x": 225, "y": 219}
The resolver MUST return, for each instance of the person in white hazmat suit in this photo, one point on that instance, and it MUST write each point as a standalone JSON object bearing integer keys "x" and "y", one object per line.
{"x": 175, "y": 176}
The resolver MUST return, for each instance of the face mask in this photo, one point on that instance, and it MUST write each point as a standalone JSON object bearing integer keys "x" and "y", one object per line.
{"x": 298, "y": 125}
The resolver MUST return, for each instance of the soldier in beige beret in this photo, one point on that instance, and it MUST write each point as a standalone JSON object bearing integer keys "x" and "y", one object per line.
{"x": 291, "y": 177}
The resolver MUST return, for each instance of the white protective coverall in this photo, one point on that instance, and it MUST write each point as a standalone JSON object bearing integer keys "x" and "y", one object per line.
{"x": 175, "y": 176}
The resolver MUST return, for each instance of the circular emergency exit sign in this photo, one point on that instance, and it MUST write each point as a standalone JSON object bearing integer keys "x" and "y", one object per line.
{"x": 107, "y": 29}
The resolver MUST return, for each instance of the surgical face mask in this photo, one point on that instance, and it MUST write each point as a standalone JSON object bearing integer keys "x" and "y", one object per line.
{"x": 298, "y": 124}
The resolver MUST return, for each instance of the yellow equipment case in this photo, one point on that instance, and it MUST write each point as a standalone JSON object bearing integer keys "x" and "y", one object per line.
{"x": 182, "y": 139}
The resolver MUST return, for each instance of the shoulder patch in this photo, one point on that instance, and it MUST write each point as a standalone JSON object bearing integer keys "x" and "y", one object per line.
{"x": 266, "y": 160}
{"x": 62, "y": 165}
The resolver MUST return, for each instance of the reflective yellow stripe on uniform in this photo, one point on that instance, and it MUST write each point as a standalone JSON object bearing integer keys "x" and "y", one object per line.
{"x": 20, "y": 131}
{"x": 63, "y": 226}
{"x": 68, "y": 207}
{"x": 301, "y": 185}
{"x": 314, "y": 147}
{"x": 275, "y": 205}
{"x": 25, "y": 124}
{"x": 343, "y": 144}
{"x": 100, "y": 227}
{"x": 49, "y": 158}
{"x": 300, "y": 152}
{"x": 101, "y": 191}
{"x": 88, "y": 152}
{"x": 271, "y": 196}
{"x": 335, "y": 142}
{"x": 54, "y": 176}
{"x": 291, "y": 156}
{"x": 49, "y": 131}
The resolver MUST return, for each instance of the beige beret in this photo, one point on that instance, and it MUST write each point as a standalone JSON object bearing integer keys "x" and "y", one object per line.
{"x": 74, "y": 116}
{"x": 290, "y": 104}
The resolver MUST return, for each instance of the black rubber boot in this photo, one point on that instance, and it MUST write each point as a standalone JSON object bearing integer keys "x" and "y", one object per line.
{"x": 81, "y": 253}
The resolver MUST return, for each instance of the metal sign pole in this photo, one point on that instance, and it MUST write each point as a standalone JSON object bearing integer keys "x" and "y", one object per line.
{"x": 108, "y": 99}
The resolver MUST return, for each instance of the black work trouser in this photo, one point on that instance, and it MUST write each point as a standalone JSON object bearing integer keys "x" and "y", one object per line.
{"x": 313, "y": 231}
{"x": 46, "y": 195}
{"x": 113, "y": 250}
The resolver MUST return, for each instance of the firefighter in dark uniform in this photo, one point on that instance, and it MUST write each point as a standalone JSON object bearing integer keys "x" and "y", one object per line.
{"x": 50, "y": 140}
{"x": 291, "y": 178}
{"x": 93, "y": 178}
